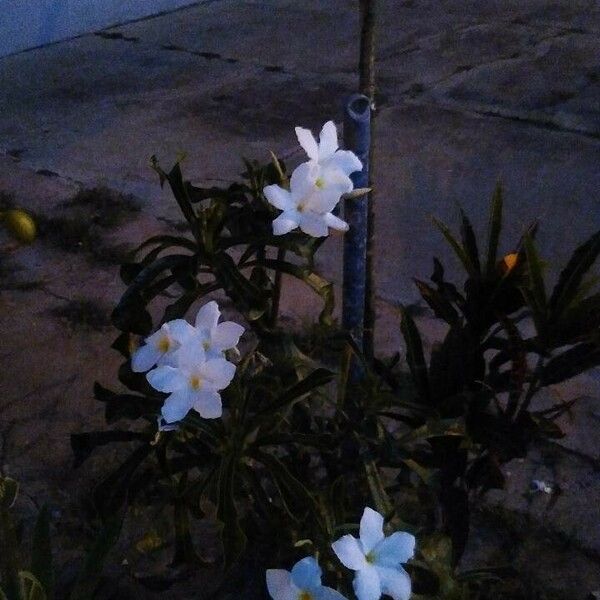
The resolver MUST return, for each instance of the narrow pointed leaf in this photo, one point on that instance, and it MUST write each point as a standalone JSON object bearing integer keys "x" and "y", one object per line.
{"x": 41, "y": 552}
{"x": 495, "y": 225}
{"x": 573, "y": 274}
{"x": 536, "y": 279}
{"x": 470, "y": 242}
{"x": 458, "y": 249}
{"x": 414, "y": 354}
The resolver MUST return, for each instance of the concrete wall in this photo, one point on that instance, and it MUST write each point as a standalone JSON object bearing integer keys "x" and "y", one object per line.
{"x": 30, "y": 23}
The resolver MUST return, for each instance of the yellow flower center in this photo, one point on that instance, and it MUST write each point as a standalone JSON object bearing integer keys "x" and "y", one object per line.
{"x": 206, "y": 344}
{"x": 195, "y": 382}
{"x": 320, "y": 182}
{"x": 370, "y": 558}
{"x": 300, "y": 208}
{"x": 164, "y": 344}
{"x": 305, "y": 596}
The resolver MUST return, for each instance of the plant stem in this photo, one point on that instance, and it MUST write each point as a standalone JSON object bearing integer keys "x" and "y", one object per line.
{"x": 367, "y": 87}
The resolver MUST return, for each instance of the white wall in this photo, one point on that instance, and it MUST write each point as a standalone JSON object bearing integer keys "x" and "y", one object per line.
{"x": 30, "y": 23}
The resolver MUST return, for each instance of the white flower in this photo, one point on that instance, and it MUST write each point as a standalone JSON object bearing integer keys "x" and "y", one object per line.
{"x": 303, "y": 583}
{"x": 309, "y": 202}
{"x": 331, "y": 161}
{"x": 214, "y": 337}
{"x": 377, "y": 559}
{"x": 194, "y": 383}
{"x": 161, "y": 345}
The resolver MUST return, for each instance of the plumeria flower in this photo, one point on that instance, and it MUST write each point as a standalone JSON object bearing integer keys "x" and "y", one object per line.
{"x": 377, "y": 559}
{"x": 331, "y": 162}
{"x": 308, "y": 203}
{"x": 161, "y": 345}
{"x": 215, "y": 337}
{"x": 194, "y": 383}
{"x": 303, "y": 583}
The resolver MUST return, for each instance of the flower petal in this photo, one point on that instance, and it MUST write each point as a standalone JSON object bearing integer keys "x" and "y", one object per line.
{"x": 307, "y": 140}
{"x": 208, "y": 316}
{"x": 177, "y": 405}
{"x": 280, "y": 585}
{"x": 334, "y": 178}
{"x": 208, "y": 404}
{"x": 371, "y": 529}
{"x": 284, "y": 223}
{"x": 324, "y": 200}
{"x": 394, "y": 550}
{"x": 345, "y": 161}
{"x": 302, "y": 181}
{"x": 166, "y": 379}
{"x": 348, "y": 550}
{"x": 190, "y": 355}
{"x": 306, "y": 574}
{"x": 218, "y": 372}
{"x": 366, "y": 584}
{"x": 226, "y": 335}
{"x": 278, "y": 197}
{"x": 180, "y": 330}
{"x": 145, "y": 358}
{"x": 326, "y": 593}
{"x": 335, "y": 222}
{"x": 328, "y": 141}
{"x": 313, "y": 224}
{"x": 395, "y": 583}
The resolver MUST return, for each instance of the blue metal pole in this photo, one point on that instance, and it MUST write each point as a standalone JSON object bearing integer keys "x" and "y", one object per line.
{"x": 357, "y": 138}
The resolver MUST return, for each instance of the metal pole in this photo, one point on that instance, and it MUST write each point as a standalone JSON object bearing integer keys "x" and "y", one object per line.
{"x": 357, "y": 138}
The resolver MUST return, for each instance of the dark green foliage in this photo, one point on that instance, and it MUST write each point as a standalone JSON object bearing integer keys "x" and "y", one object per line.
{"x": 486, "y": 372}
{"x": 302, "y": 446}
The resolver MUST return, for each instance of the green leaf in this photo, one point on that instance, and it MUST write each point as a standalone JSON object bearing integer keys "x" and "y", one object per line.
{"x": 414, "y": 355}
{"x": 570, "y": 363}
{"x": 232, "y": 536}
{"x": 536, "y": 288}
{"x": 83, "y": 444}
{"x": 316, "y": 379}
{"x": 41, "y": 552}
{"x": 573, "y": 274}
{"x": 458, "y": 249}
{"x": 470, "y": 242}
{"x": 249, "y": 298}
{"x": 125, "y": 406}
{"x": 433, "y": 429}
{"x": 318, "y": 284}
{"x": 93, "y": 565}
{"x": 380, "y": 497}
{"x": 112, "y": 492}
{"x": 167, "y": 241}
{"x": 9, "y": 489}
{"x": 442, "y": 308}
{"x": 494, "y": 228}
{"x": 297, "y": 493}
{"x": 9, "y": 557}
{"x": 130, "y": 314}
{"x": 31, "y": 588}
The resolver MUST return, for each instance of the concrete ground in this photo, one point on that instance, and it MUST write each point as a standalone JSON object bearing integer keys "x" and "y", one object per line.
{"x": 470, "y": 91}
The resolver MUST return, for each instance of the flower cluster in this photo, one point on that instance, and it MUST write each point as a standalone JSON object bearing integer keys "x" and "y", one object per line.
{"x": 376, "y": 559}
{"x": 316, "y": 186}
{"x": 188, "y": 362}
